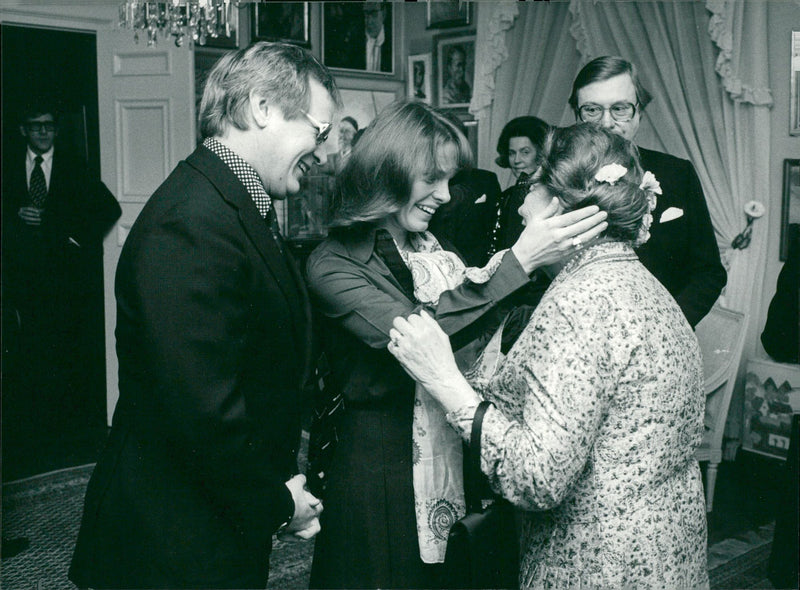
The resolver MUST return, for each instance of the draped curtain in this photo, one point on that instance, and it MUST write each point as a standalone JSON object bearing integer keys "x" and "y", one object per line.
{"x": 706, "y": 65}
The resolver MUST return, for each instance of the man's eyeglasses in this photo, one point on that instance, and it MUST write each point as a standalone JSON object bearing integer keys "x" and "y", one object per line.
{"x": 37, "y": 127}
{"x": 323, "y": 129}
{"x": 620, "y": 111}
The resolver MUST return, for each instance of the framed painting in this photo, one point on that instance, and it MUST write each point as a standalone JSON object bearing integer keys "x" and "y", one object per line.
{"x": 455, "y": 69}
{"x": 359, "y": 37}
{"x": 771, "y": 396}
{"x": 448, "y": 13}
{"x": 790, "y": 210}
{"x": 420, "y": 86}
{"x": 281, "y": 21}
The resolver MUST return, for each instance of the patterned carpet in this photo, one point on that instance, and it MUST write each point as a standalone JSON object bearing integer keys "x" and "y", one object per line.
{"x": 46, "y": 509}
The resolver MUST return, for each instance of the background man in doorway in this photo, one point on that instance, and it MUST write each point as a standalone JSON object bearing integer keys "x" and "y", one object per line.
{"x": 55, "y": 216}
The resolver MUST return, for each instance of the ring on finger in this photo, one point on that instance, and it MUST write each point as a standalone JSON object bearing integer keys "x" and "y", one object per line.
{"x": 576, "y": 242}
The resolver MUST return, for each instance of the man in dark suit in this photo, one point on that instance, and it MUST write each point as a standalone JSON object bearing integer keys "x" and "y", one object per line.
{"x": 682, "y": 251}
{"x": 213, "y": 340}
{"x": 468, "y": 219}
{"x": 54, "y": 219}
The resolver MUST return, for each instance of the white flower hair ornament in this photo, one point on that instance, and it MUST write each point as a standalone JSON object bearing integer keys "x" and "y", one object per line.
{"x": 652, "y": 187}
{"x": 610, "y": 173}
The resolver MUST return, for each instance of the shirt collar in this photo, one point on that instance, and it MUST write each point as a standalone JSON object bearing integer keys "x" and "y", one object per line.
{"x": 244, "y": 172}
{"x": 376, "y": 40}
{"x": 47, "y": 157}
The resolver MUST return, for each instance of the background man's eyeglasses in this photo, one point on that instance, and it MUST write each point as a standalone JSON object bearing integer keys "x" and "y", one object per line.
{"x": 36, "y": 127}
{"x": 323, "y": 129}
{"x": 620, "y": 111}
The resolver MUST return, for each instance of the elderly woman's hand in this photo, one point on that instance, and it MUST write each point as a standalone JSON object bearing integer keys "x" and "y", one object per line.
{"x": 424, "y": 351}
{"x": 547, "y": 237}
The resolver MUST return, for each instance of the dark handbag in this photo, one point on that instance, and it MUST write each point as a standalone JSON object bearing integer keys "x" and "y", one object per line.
{"x": 483, "y": 547}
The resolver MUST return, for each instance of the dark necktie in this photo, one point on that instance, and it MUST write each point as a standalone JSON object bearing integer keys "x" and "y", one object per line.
{"x": 38, "y": 187}
{"x": 387, "y": 250}
{"x": 274, "y": 228}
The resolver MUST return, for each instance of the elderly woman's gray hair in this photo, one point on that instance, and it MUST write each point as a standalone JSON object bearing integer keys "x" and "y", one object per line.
{"x": 572, "y": 158}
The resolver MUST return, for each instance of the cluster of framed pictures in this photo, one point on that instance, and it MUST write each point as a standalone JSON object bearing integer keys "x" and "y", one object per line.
{"x": 442, "y": 77}
{"x": 358, "y": 38}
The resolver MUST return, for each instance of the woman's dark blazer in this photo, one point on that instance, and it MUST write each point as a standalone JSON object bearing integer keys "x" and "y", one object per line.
{"x": 212, "y": 338}
{"x": 368, "y": 536}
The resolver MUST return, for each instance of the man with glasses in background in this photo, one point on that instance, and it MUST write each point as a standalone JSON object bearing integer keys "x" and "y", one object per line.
{"x": 682, "y": 251}
{"x": 214, "y": 346}
{"x": 55, "y": 215}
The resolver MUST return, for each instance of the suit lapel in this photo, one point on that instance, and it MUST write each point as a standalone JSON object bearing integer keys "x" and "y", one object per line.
{"x": 257, "y": 230}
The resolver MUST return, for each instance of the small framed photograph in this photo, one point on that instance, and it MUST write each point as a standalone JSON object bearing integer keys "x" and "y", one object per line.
{"x": 448, "y": 13}
{"x": 794, "y": 104}
{"x": 420, "y": 75}
{"x": 359, "y": 37}
{"x": 455, "y": 69}
{"x": 790, "y": 211}
{"x": 281, "y": 21}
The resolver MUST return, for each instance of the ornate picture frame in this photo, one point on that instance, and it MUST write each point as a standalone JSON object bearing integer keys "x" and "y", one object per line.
{"x": 454, "y": 55}
{"x": 420, "y": 75}
{"x": 281, "y": 21}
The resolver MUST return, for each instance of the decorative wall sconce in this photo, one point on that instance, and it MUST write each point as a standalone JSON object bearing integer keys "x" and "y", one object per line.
{"x": 752, "y": 210}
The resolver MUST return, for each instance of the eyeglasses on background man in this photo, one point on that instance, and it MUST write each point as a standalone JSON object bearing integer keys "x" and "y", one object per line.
{"x": 620, "y": 111}
{"x": 39, "y": 127}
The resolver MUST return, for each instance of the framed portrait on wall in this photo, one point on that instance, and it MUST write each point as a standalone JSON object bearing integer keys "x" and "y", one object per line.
{"x": 420, "y": 74}
{"x": 448, "y": 13}
{"x": 790, "y": 210}
{"x": 281, "y": 21}
{"x": 359, "y": 37}
{"x": 455, "y": 69}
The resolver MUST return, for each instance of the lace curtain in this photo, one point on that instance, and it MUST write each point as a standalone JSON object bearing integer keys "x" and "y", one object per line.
{"x": 706, "y": 65}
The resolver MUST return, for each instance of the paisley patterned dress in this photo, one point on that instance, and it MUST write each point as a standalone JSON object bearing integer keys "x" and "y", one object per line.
{"x": 599, "y": 408}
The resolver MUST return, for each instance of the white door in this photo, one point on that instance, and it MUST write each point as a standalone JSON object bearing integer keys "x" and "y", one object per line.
{"x": 147, "y": 125}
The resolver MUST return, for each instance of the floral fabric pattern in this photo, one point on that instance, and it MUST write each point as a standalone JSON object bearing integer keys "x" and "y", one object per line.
{"x": 599, "y": 408}
{"x": 436, "y": 450}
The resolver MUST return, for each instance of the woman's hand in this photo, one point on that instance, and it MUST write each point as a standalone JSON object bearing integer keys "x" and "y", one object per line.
{"x": 547, "y": 237}
{"x": 424, "y": 351}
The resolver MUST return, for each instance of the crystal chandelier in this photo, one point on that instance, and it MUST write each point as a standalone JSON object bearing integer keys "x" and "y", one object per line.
{"x": 195, "y": 20}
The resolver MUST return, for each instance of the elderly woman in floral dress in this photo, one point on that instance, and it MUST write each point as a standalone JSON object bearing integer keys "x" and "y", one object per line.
{"x": 598, "y": 407}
